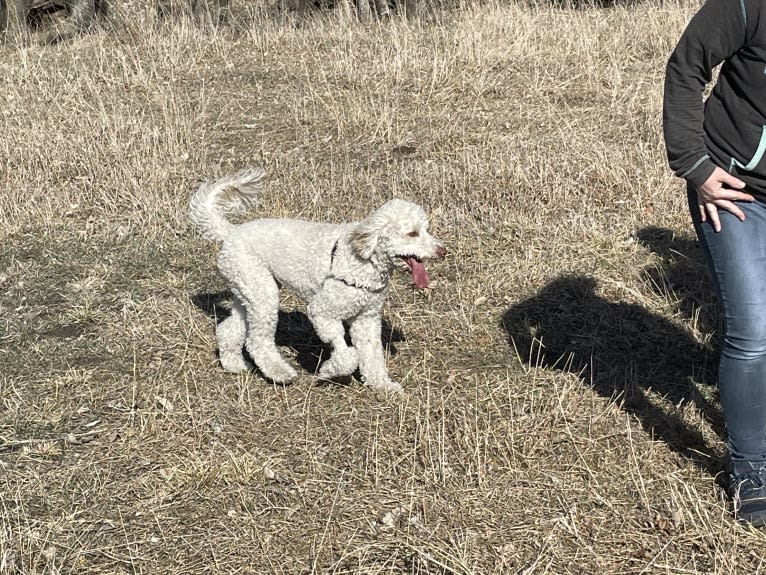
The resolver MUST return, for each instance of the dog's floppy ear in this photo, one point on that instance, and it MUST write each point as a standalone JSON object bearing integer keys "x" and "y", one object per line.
{"x": 364, "y": 238}
{"x": 367, "y": 235}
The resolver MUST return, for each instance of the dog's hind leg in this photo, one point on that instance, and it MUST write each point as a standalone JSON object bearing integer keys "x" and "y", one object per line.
{"x": 258, "y": 292}
{"x": 230, "y": 334}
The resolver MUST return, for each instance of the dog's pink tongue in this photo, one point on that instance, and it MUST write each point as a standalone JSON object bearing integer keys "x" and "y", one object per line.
{"x": 419, "y": 273}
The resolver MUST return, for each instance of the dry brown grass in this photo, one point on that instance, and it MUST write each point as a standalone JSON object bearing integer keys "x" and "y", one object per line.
{"x": 560, "y": 415}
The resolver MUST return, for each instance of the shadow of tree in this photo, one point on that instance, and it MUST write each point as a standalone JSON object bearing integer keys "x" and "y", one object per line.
{"x": 294, "y": 330}
{"x": 621, "y": 350}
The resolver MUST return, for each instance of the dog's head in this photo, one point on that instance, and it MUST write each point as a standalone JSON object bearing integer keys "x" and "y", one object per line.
{"x": 398, "y": 232}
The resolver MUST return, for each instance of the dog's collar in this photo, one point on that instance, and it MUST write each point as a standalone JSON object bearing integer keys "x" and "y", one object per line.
{"x": 332, "y": 253}
{"x": 332, "y": 276}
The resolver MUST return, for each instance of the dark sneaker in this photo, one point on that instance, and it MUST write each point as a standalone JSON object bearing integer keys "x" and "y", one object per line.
{"x": 748, "y": 493}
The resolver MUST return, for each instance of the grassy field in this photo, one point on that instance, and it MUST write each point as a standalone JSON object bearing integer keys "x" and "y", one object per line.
{"x": 560, "y": 413}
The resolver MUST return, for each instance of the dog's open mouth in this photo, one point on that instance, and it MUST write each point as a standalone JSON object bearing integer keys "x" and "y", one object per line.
{"x": 417, "y": 270}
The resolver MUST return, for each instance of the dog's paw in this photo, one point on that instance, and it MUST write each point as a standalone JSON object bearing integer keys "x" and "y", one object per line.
{"x": 341, "y": 363}
{"x": 385, "y": 385}
{"x": 326, "y": 374}
{"x": 279, "y": 373}
{"x": 234, "y": 363}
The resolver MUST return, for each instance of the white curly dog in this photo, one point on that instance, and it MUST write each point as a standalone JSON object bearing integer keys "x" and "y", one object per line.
{"x": 342, "y": 271}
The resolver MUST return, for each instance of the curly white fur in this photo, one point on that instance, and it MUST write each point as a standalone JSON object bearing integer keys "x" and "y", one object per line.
{"x": 341, "y": 270}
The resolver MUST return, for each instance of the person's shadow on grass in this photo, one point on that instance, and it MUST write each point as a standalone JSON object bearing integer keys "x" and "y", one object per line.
{"x": 622, "y": 350}
{"x": 682, "y": 275}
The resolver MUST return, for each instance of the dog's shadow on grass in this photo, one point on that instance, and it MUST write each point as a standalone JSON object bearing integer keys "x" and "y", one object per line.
{"x": 622, "y": 349}
{"x": 294, "y": 330}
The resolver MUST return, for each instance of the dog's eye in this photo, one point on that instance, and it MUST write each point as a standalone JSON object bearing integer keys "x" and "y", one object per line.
{"x": 414, "y": 233}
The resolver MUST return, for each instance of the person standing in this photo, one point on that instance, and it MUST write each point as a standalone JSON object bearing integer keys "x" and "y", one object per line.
{"x": 718, "y": 147}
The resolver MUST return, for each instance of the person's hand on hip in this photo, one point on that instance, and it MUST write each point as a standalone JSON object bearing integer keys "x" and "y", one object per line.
{"x": 721, "y": 191}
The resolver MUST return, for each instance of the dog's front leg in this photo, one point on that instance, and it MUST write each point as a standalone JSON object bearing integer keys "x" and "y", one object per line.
{"x": 366, "y": 336}
{"x": 343, "y": 360}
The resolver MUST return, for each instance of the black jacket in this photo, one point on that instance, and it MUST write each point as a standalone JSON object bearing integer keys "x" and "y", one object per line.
{"x": 729, "y": 129}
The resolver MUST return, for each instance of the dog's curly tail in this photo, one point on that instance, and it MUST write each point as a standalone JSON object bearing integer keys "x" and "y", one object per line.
{"x": 231, "y": 194}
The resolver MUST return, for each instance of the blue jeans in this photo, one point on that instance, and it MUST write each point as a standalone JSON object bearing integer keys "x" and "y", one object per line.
{"x": 736, "y": 257}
